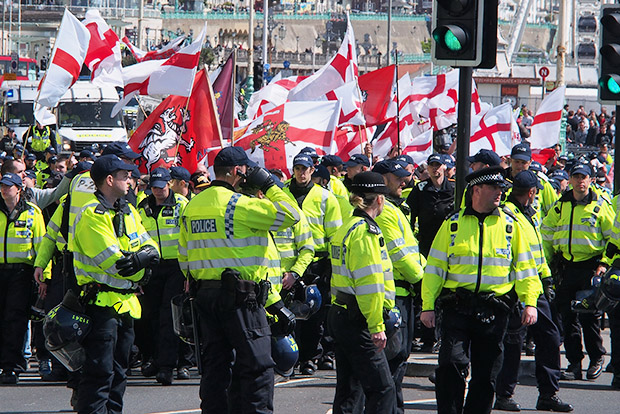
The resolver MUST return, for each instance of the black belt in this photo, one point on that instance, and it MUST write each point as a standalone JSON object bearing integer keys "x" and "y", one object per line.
{"x": 584, "y": 264}
{"x": 106, "y": 288}
{"x": 13, "y": 266}
{"x": 209, "y": 284}
{"x": 346, "y": 299}
{"x": 321, "y": 255}
{"x": 403, "y": 284}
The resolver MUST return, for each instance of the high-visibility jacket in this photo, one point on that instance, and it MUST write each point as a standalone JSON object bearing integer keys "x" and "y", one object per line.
{"x": 577, "y": 229}
{"x": 361, "y": 267}
{"x": 41, "y": 165}
{"x": 489, "y": 256}
{"x": 323, "y": 213}
{"x": 602, "y": 192}
{"x": 336, "y": 186}
{"x": 81, "y": 191}
{"x": 532, "y": 231}
{"x": 295, "y": 246}
{"x": 223, "y": 229}
{"x": 53, "y": 239}
{"x": 402, "y": 247}
{"x": 41, "y": 140}
{"x": 163, "y": 225}
{"x": 21, "y": 236}
{"x": 42, "y": 176}
{"x": 346, "y": 209}
{"x": 544, "y": 199}
{"x": 97, "y": 248}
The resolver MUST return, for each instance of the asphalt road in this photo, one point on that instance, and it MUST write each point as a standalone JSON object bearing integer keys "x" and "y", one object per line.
{"x": 302, "y": 394}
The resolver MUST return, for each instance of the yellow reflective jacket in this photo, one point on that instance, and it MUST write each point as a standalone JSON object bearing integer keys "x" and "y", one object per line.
{"x": 577, "y": 229}
{"x": 489, "y": 256}
{"x": 98, "y": 246}
{"x": 221, "y": 229}
{"x": 402, "y": 247}
{"x": 361, "y": 267}
{"x": 162, "y": 222}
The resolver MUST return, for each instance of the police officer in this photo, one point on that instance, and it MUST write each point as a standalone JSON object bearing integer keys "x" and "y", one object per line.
{"x": 37, "y": 138}
{"x": 479, "y": 262}
{"x": 483, "y": 159}
{"x": 180, "y": 181}
{"x": 334, "y": 166}
{"x": 160, "y": 213}
{"x": 123, "y": 151}
{"x": 362, "y": 291}
{"x": 223, "y": 245}
{"x": 357, "y": 163}
{"x": 324, "y": 217}
{"x": 22, "y": 225}
{"x": 112, "y": 249}
{"x": 545, "y": 332}
{"x": 577, "y": 228}
{"x": 406, "y": 260}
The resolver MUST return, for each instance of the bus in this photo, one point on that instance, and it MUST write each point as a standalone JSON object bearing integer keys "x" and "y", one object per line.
{"x": 26, "y": 68}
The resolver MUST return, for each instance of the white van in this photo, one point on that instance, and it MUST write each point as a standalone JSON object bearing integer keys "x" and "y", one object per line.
{"x": 18, "y": 97}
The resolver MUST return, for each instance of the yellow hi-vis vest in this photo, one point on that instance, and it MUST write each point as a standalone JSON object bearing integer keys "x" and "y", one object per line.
{"x": 492, "y": 256}
{"x": 361, "y": 267}
{"x": 164, "y": 228}
{"x": 40, "y": 140}
{"x": 97, "y": 248}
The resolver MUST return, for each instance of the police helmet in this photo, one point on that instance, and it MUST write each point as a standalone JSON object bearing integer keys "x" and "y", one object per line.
{"x": 308, "y": 304}
{"x": 285, "y": 353}
{"x": 392, "y": 321}
{"x": 182, "y": 322}
{"x": 64, "y": 328}
{"x": 608, "y": 293}
{"x": 585, "y": 300}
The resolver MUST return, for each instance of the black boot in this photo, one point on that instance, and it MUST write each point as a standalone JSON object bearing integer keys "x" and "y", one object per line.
{"x": 552, "y": 403}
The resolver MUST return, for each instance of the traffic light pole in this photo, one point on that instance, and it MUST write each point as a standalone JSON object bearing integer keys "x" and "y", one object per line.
{"x": 616, "y": 149}
{"x": 463, "y": 131}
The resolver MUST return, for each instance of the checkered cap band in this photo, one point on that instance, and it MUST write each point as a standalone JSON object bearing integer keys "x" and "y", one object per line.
{"x": 488, "y": 179}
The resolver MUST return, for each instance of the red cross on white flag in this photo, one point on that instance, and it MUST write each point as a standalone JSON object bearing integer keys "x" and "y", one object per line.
{"x": 493, "y": 131}
{"x": 548, "y": 120}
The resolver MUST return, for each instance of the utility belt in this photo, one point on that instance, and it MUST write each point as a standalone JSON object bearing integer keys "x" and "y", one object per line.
{"x": 320, "y": 255}
{"x": 591, "y": 263}
{"x": 94, "y": 288}
{"x": 237, "y": 292}
{"x": 14, "y": 266}
{"x": 483, "y": 306}
{"x": 353, "y": 307}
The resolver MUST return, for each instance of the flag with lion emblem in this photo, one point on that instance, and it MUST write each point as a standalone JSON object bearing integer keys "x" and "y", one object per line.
{"x": 178, "y": 133}
{"x": 273, "y": 139}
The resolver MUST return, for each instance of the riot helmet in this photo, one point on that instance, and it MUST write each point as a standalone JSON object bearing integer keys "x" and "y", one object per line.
{"x": 284, "y": 352}
{"x": 182, "y": 322}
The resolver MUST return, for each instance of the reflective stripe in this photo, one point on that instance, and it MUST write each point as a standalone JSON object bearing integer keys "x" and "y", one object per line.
{"x": 369, "y": 289}
{"x": 344, "y": 289}
{"x": 283, "y": 240}
{"x": 275, "y": 280}
{"x": 390, "y": 294}
{"x": 438, "y": 254}
{"x": 291, "y": 210}
{"x": 106, "y": 279}
{"x": 168, "y": 231}
{"x": 577, "y": 227}
{"x": 314, "y": 220}
{"x": 396, "y": 256}
{"x": 182, "y": 250}
{"x": 522, "y": 274}
{"x": 287, "y": 253}
{"x": 333, "y": 223}
{"x": 227, "y": 243}
{"x": 20, "y": 255}
{"x": 523, "y": 257}
{"x": 434, "y": 270}
{"x": 472, "y": 278}
{"x": 53, "y": 226}
{"x": 486, "y": 261}
{"x": 367, "y": 271}
{"x": 280, "y": 216}
{"x": 104, "y": 255}
{"x": 233, "y": 263}
{"x": 395, "y": 243}
{"x": 169, "y": 243}
{"x": 580, "y": 242}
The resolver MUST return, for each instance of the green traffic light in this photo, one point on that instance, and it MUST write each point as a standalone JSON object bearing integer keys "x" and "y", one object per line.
{"x": 452, "y": 42}
{"x": 612, "y": 85}
{"x": 451, "y": 37}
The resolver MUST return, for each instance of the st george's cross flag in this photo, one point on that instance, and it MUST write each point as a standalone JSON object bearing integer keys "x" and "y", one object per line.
{"x": 493, "y": 131}
{"x": 103, "y": 57}
{"x": 165, "y": 52}
{"x": 68, "y": 56}
{"x": 548, "y": 120}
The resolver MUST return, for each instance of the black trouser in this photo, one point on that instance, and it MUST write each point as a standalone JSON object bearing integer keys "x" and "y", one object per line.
{"x": 364, "y": 383}
{"x": 165, "y": 282}
{"x": 465, "y": 339}
{"x": 578, "y": 278}
{"x": 547, "y": 354}
{"x": 53, "y": 297}
{"x": 104, "y": 374}
{"x": 236, "y": 335}
{"x": 16, "y": 286}
{"x": 614, "y": 324}
{"x": 309, "y": 334}
{"x": 398, "y": 364}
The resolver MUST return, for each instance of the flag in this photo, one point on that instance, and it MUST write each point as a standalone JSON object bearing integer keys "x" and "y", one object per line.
{"x": 419, "y": 147}
{"x": 376, "y": 88}
{"x": 350, "y": 100}
{"x": 67, "y": 58}
{"x": 342, "y": 68}
{"x": 493, "y": 131}
{"x": 224, "y": 92}
{"x": 548, "y": 119}
{"x": 172, "y": 135}
{"x": 165, "y": 52}
{"x": 173, "y": 76}
{"x": 103, "y": 57}
{"x": 351, "y": 140}
{"x": 272, "y": 95}
{"x": 273, "y": 139}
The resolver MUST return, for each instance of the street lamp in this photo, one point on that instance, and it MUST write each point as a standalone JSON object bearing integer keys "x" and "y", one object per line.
{"x": 297, "y": 38}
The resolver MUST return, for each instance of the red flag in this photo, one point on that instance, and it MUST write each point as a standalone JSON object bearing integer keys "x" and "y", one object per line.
{"x": 223, "y": 92}
{"x": 376, "y": 88}
{"x": 172, "y": 135}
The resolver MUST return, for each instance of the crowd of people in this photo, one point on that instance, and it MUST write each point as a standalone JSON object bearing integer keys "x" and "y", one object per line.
{"x": 350, "y": 266}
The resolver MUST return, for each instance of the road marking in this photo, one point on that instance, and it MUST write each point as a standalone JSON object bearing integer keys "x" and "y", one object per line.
{"x": 420, "y": 401}
{"x": 176, "y": 412}
{"x": 296, "y": 381}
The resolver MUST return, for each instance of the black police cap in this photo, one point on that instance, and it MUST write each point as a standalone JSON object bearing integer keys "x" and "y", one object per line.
{"x": 490, "y": 175}
{"x": 369, "y": 182}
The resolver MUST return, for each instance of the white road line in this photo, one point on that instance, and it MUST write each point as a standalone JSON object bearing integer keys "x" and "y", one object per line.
{"x": 420, "y": 401}
{"x": 296, "y": 381}
{"x": 176, "y": 412}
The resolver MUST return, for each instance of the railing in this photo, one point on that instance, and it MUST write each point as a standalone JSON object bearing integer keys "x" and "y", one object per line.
{"x": 206, "y": 15}
{"x": 114, "y": 12}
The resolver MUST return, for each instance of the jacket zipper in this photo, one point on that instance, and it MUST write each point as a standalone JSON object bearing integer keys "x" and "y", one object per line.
{"x": 570, "y": 232}
{"x": 481, "y": 231}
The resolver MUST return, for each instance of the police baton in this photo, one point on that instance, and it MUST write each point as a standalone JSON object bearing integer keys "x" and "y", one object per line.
{"x": 196, "y": 335}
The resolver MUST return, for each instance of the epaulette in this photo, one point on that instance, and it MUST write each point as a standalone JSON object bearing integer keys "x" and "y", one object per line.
{"x": 422, "y": 184}
{"x": 100, "y": 209}
{"x": 509, "y": 212}
{"x": 373, "y": 228}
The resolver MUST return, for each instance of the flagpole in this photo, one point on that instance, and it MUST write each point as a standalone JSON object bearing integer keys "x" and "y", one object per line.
{"x": 359, "y": 132}
{"x": 232, "y": 94}
{"x": 397, "y": 104}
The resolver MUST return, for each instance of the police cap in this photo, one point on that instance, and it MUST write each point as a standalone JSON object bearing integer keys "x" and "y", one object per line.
{"x": 159, "y": 178}
{"x": 527, "y": 179}
{"x": 231, "y": 157}
{"x": 536, "y": 166}
{"x": 406, "y": 159}
{"x": 106, "y": 165}
{"x": 120, "y": 149}
{"x": 321, "y": 172}
{"x": 391, "y": 166}
{"x": 332, "y": 161}
{"x": 436, "y": 158}
{"x": 521, "y": 152}
{"x": 581, "y": 169}
{"x": 11, "y": 179}
{"x": 560, "y": 175}
{"x": 369, "y": 182}
{"x": 486, "y": 156}
{"x": 311, "y": 152}
{"x": 489, "y": 175}
{"x": 303, "y": 159}
{"x": 180, "y": 173}
{"x": 357, "y": 159}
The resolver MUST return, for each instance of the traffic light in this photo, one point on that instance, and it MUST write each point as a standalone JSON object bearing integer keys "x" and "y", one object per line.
{"x": 258, "y": 76}
{"x": 609, "y": 81}
{"x": 465, "y": 33}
